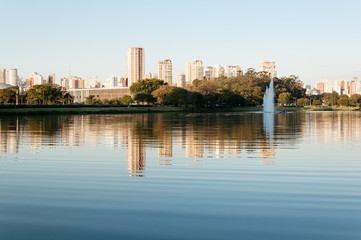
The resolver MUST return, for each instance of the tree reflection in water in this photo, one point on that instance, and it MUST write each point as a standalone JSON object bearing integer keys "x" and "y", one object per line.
{"x": 196, "y": 136}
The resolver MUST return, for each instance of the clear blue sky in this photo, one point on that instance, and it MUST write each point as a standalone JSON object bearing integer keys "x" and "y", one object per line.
{"x": 312, "y": 39}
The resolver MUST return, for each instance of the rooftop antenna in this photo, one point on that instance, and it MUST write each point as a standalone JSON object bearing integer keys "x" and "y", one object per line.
{"x": 69, "y": 71}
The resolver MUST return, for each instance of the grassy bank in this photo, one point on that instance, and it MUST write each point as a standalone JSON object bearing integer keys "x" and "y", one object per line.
{"x": 311, "y": 108}
{"x": 319, "y": 109}
{"x": 108, "y": 110}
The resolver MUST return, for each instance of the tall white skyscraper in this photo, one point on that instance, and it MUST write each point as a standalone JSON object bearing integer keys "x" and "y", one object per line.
{"x": 268, "y": 66}
{"x": 2, "y": 75}
{"x": 165, "y": 71}
{"x": 327, "y": 86}
{"x": 135, "y": 64}
{"x": 194, "y": 71}
{"x": 13, "y": 77}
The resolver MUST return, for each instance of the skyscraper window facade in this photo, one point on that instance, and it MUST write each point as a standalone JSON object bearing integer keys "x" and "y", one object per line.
{"x": 135, "y": 64}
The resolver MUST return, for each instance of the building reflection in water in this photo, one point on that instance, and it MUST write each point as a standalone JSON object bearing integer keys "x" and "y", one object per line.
{"x": 197, "y": 136}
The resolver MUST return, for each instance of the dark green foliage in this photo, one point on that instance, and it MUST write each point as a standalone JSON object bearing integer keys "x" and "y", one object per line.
{"x": 343, "y": 102}
{"x": 146, "y": 86}
{"x": 316, "y": 102}
{"x": 330, "y": 98}
{"x": 355, "y": 99}
{"x": 177, "y": 96}
{"x": 8, "y": 95}
{"x": 284, "y": 98}
{"x": 126, "y": 99}
{"x": 144, "y": 98}
{"x": 91, "y": 100}
{"x": 47, "y": 94}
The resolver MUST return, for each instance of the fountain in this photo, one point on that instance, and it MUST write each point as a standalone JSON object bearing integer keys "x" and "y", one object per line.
{"x": 268, "y": 99}
{"x": 268, "y": 111}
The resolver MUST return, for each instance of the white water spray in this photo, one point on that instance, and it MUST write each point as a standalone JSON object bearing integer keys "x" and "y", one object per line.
{"x": 268, "y": 99}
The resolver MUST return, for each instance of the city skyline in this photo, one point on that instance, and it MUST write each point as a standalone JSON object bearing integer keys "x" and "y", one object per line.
{"x": 314, "y": 48}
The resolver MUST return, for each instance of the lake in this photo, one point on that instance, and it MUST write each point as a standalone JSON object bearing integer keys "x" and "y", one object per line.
{"x": 181, "y": 176}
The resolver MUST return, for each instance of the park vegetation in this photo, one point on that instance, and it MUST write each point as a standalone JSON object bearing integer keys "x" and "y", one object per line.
{"x": 241, "y": 91}
{"x": 44, "y": 94}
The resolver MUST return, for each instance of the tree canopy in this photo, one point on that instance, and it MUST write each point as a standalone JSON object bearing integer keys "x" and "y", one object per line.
{"x": 146, "y": 86}
{"x": 46, "y": 93}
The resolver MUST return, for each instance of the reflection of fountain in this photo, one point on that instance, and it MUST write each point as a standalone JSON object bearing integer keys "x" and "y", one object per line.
{"x": 268, "y": 113}
{"x": 268, "y": 99}
{"x": 268, "y": 124}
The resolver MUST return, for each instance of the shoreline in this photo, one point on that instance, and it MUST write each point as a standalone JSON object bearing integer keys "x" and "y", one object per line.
{"x": 52, "y": 110}
{"x": 36, "y": 111}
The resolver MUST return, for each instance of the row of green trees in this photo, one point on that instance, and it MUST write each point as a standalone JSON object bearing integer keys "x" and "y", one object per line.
{"x": 247, "y": 89}
{"x": 157, "y": 91}
{"x": 329, "y": 99}
{"x": 39, "y": 94}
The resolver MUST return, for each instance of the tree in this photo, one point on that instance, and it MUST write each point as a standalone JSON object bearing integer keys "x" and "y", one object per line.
{"x": 8, "y": 95}
{"x": 229, "y": 98}
{"x": 144, "y": 97}
{"x": 146, "y": 86}
{"x": 316, "y": 102}
{"x": 161, "y": 94}
{"x": 195, "y": 98}
{"x": 115, "y": 101}
{"x": 330, "y": 98}
{"x": 301, "y": 101}
{"x": 343, "y": 102}
{"x": 306, "y": 101}
{"x": 46, "y": 93}
{"x": 90, "y": 100}
{"x": 126, "y": 99}
{"x": 177, "y": 96}
{"x": 284, "y": 98}
{"x": 355, "y": 98}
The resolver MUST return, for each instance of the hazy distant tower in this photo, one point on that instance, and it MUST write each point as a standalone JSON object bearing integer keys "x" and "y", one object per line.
{"x": 2, "y": 75}
{"x": 135, "y": 64}
{"x": 165, "y": 71}
{"x": 13, "y": 77}
{"x": 194, "y": 71}
{"x": 268, "y": 66}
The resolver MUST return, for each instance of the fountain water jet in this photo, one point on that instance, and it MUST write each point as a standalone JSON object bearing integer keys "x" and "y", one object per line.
{"x": 268, "y": 111}
{"x": 268, "y": 99}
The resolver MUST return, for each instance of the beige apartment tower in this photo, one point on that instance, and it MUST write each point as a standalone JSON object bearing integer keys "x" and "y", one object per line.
{"x": 135, "y": 64}
{"x": 269, "y": 67}
{"x": 194, "y": 70}
{"x": 165, "y": 71}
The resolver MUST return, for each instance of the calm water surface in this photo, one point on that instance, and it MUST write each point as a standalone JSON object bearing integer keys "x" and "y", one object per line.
{"x": 176, "y": 176}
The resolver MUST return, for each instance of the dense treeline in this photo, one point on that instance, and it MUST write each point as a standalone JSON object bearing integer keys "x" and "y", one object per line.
{"x": 39, "y": 94}
{"x": 245, "y": 90}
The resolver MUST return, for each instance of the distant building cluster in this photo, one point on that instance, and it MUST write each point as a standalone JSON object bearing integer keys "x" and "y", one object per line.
{"x": 135, "y": 70}
{"x": 340, "y": 86}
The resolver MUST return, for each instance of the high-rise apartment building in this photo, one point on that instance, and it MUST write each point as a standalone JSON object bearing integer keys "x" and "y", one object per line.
{"x": 327, "y": 86}
{"x": 13, "y": 77}
{"x": 50, "y": 78}
{"x": 135, "y": 64}
{"x": 269, "y": 67}
{"x": 209, "y": 72}
{"x": 181, "y": 80}
{"x": 194, "y": 71}
{"x": 320, "y": 87}
{"x": 2, "y": 75}
{"x": 165, "y": 71}
{"x": 36, "y": 79}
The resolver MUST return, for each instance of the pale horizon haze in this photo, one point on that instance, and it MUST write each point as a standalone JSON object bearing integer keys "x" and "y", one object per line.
{"x": 314, "y": 40}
